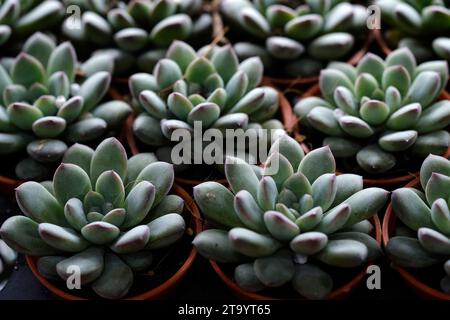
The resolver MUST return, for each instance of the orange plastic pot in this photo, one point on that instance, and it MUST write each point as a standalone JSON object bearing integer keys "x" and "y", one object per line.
{"x": 337, "y": 294}
{"x": 389, "y": 223}
{"x": 193, "y": 220}
{"x": 387, "y": 179}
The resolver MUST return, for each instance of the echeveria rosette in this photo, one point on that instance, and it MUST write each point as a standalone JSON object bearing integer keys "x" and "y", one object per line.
{"x": 43, "y": 106}
{"x": 103, "y": 213}
{"x": 380, "y": 109}
{"x": 422, "y": 26}
{"x": 140, "y": 27}
{"x": 22, "y": 18}
{"x": 296, "y": 38}
{"x": 278, "y": 225}
{"x": 425, "y": 214}
{"x": 209, "y": 86}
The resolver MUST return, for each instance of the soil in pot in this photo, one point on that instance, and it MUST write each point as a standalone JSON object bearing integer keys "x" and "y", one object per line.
{"x": 169, "y": 266}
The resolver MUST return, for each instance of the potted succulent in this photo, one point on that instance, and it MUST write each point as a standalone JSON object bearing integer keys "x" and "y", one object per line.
{"x": 422, "y": 26}
{"x": 44, "y": 106}
{"x": 380, "y": 115}
{"x": 296, "y": 222}
{"x": 209, "y": 87}
{"x": 8, "y": 258}
{"x": 295, "y": 39}
{"x": 416, "y": 233}
{"x": 104, "y": 214}
{"x": 18, "y": 19}
{"x": 137, "y": 34}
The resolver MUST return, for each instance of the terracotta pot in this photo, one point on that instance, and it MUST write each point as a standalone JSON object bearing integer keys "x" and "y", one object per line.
{"x": 390, "y": 179}
{"x": 336, "y": 294}
{"x": 194, "y": 221}
{"x": 293, "y": 82}
{"x": 419, "y": 287}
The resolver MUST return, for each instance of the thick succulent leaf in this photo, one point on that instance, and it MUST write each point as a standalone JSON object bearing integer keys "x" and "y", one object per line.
{"x": 331, "y": 46}
{"x": 289, "y": 148}
{"x": 47, "y": 267}
{"x": 181, "y": 53}
{"x": 312, "y": 282}
{"x": 216, "y": 203}
{"x": 136, "y": 164}
{"x": 324, "y": 190}
{"x": 438, "y": 186}
{"x": 374, "y": 160}
{"x": 254, "y": 22}
{"x": 79, "y": 155}
{"x": 433, "y": 241}
{"x": 71, "y": 109}
{"x": 335, "y": 219}
{"x": 404, "y": 57}
{"x": 310, "y": 219}
{"x": 246, "y": 278}
{"x": 279, "y": 168}
{"x": 346, "y": 100}
{"x": 344, "y": 253}
{"x": 274, "y": 271}
{"x": 64, "y": 59}
{"x": 411, "y": 209}
{"x": 148, "y": 130}
{"x": 23, "y": 115}
{"x": 27, "y": 70}
{"x": 409, "y": 253}
{"x": 206, "y": 113}
{"x": 309, "y": 243}
{"x": 425, "y": 88}
{"x": 284, "y": 48}
{"x": 304, "y": 27}
{"x": 178, "y": 26}
{"x": 280, "y": 226}
{"x": 21, "y": 233}
{"x": 249, "y": 212}
{"x": 90, "y": 263}
{"x": 433, "y": 164}
{"x": 267, "y": 193}
{"x": 46, "y": 150}
{"x": 214, "y": 244}
{"x": 435, "y": 117}
{"x": 365, "y": 203}
{"x": 139, "y": 261}
{"x": 371, "y": 244}
{"x": 342, "y": 147}
{"x": 94, "y": 89}
{"x": 115, "y": 280}
{"x": 324, "y": 120}
{"x": 49, "y": 127}
{"x": 39, "y": 204}
{"x": 298, "y": 184}
{"x": 405, "y": 117}
{"x": 115, "y": 217}
{"x": 64, "y": 239}
{"x": 240, "y": 176}
{"x": 110, "y": 186}
{"x": 371, "y": 64}
{"x": 169, "y": 204}
{"x": 374, "y": 112}
{"x": 236, "y": 88}
{"x": 225, "y": 62}
{"x": 74, "y": 213}
{"x": 70, "y": 181}
{"x": 398, "y": 77}
{"x": 440, "y": 215}
{"x": 162, "y": 182}
{"x": 41, "y": 17}
{"x": 346, "y": 186}
{"x": 113, "y": 112}
{"x": 109, "y": 155}
{"x": 254, "y": 69}
{"x": 398, "y": 141}
{"x": 131, "y": 39}
{"x": 100, "y": 232}
{"x": 252, "y": 244}
{"x": 166, "y": 73}
{"x": 165, "y": 230}
{"x": 138, "y": 203}
{"x": 132, "y": 241}
{"x": 317, "y": 163}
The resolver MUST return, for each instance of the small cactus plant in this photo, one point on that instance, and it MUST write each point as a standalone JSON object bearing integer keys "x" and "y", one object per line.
{"x": 422, "y": 26}
{"x": 426, "y": 216}
{"x": 299, "y": 37}
{"x": 278, "y": 225}
{"x": 209, "y": 86}
{"x": 142, "y": 27}
{"x": 22, "y": 18}
{"x": 380, "y": 110}
{"x": 102, "y": 213}
{"x": 43, "y": 106}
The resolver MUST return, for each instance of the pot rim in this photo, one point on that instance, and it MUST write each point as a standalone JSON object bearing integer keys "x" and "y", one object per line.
{"x": 395, "y": 179}
{"x": 418, "y": 286}
{"x": 336, "y": 294}
{"x": 157, "y": 292}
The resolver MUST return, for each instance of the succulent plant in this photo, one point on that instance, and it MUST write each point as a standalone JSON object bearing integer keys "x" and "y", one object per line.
{"x": 8, "y": 258}
{"x": 422, "y": 26}
{"x": 102, "y": 213}
{"x": 299, "y": 36}
{"x": 43, "y": 106}
{"x": 22, "y": 18}
{"x": 380, "y": 110}
{"x": 277, "y": 226}
{"x": 141, "y": 26}
{"x": 423, "y": 239}
{"x": 209, "y": 86}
